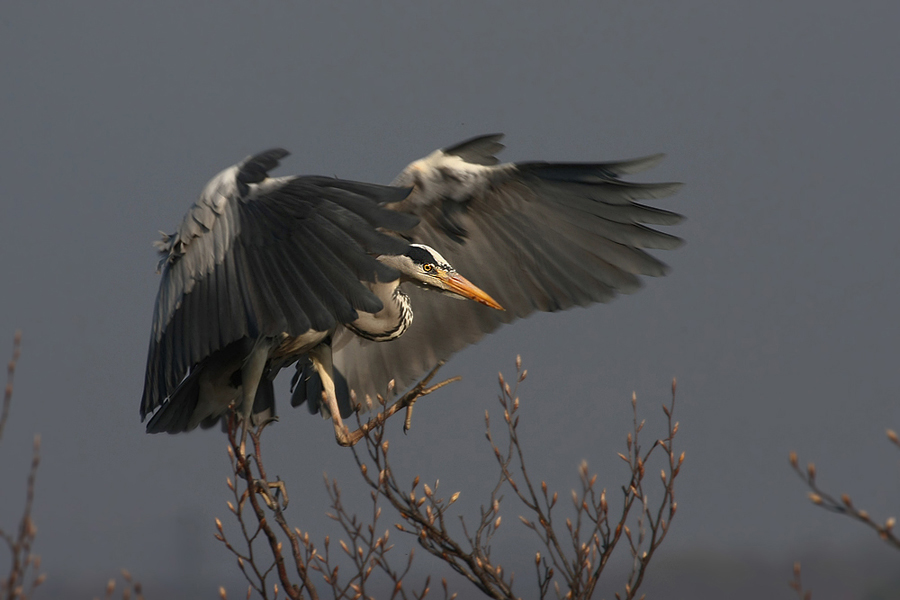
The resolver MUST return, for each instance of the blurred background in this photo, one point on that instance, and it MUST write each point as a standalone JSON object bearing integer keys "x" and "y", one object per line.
{"x": 779, "y": 317}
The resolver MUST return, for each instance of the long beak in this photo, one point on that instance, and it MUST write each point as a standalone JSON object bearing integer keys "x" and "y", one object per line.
{"x": 460, "y": 285}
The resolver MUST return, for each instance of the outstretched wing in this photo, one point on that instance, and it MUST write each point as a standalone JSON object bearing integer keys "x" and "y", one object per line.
{"x": 257, "y": 256}
{"x": 536, "y": 236}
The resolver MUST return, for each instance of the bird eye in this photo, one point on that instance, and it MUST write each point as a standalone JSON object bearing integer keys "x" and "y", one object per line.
{"x": 426, "y": 267}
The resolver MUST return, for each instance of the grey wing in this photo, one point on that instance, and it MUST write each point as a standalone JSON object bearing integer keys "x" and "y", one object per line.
{"x": 535, "y": 236}
{"x": 257, "y": 256}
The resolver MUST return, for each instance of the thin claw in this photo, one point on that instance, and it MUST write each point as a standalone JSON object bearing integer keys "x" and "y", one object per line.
{"x": 342, "y": 435}
{"x": 353, "y": 437}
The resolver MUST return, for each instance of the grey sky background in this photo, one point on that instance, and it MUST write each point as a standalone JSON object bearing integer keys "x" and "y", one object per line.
{"x": 779, "y": 318}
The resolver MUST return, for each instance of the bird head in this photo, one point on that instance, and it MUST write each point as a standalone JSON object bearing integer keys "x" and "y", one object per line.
{"x": 424, "y": 266}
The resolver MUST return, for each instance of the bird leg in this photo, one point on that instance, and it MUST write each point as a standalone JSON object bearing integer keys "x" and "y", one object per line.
{"x": 263, "y": 487}
{"x": 321, "y": 360}
{"x": 251, "y": 373}
{"x": 407, "y": 401}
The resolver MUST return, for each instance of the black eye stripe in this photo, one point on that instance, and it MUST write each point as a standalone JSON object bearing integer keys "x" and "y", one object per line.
{"x": 420, "y": 255}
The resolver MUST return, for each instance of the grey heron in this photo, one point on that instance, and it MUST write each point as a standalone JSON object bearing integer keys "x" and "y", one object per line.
{"x": 265, "y": 272}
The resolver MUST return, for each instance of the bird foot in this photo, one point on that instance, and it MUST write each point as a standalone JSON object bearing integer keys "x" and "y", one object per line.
{"x": 344, "y": 437}
{"x": 263, "y": 487}
{"x": 350, "y": 438}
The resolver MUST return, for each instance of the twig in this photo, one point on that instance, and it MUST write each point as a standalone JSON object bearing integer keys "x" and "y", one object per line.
{"x": 575, "y": 558}
{"x": 130, "y": 587}
{"x": 424, "y": 516}
{"x": 255, "y": 487}
{"x": 18, "y": 585}
{"x": 796, "y": 584}
{"x": 10, "y": 376}
{"x": 845, "y": 505}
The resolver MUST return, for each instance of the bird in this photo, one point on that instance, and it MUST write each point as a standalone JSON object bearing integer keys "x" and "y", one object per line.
{"x": 349, "y": 281}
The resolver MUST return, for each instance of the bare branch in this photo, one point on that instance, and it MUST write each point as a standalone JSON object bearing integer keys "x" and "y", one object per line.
{"x": 10, "y": 376}
{"x": 254, "y": 487}
{"x": 571, "y": 561}
{"x": 590, "y": 537}
{"x": 796, "y": 584}
{"x": 845, "y": 505}
{"x": 25, "y": 566}
{"x": 130, "y": 587}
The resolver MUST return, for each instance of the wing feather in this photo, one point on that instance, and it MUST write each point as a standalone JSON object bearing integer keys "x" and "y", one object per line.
{"x": 536, "y": 236}
{"x": 343, "y": 278}
{"x": 242, "y": 264}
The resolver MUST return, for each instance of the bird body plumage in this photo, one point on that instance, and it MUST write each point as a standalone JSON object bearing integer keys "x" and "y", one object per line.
{"x": 274, "y": 270}
{"x": 390, "y": 322}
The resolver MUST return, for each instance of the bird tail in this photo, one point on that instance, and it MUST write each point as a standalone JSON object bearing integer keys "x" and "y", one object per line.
{"x": 174, "y": 416}
{"x": 178, "y": 413}
{"x": 263, "y": 407}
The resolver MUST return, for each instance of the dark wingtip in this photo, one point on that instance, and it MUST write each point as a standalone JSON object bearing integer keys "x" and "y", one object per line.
{"x": 256, "y": 168}
{"x": 635, "y": 165}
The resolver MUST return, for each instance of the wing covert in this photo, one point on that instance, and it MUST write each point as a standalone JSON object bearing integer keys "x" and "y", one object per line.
{"x": 257, "y": 256}
{"x": 535, "y": 236}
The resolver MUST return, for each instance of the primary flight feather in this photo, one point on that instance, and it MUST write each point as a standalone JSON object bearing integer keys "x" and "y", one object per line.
{"x": 265, "y": 272}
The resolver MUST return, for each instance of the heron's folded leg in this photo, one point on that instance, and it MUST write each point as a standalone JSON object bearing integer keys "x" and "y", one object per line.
{"x": 321, "y": 360}
{"x": 251, "y": 373}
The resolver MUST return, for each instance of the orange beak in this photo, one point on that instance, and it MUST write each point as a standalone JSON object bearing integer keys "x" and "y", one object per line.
{"x": 460, "y": 285}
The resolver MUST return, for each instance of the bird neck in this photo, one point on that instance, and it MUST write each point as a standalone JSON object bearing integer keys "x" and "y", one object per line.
{"x": 391, "y": 321}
